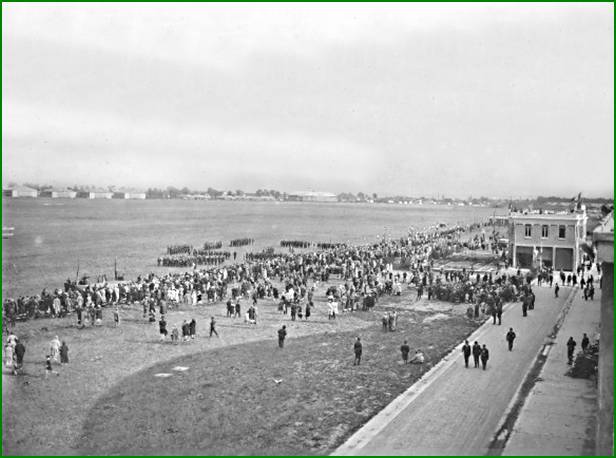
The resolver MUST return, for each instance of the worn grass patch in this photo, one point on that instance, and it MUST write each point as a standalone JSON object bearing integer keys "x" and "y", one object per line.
{"x": 255, "y": 399}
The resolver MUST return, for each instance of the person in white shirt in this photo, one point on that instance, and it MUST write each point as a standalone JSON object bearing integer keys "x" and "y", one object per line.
{"x": 55, "y": 348}
{"x": 418, "y": 357}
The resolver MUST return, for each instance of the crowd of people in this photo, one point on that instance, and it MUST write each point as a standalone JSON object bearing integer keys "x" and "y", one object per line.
{"x": 366, "y": 272}
{"x": 212, "y": 258}
{"x": 295, "y": 244}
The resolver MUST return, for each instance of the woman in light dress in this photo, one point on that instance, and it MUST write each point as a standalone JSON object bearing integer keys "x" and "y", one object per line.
{"x": 55, "y": 349}
{"x": 8, "y": 355}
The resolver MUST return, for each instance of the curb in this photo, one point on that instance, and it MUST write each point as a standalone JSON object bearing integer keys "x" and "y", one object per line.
{"x": 377, "y": 423}
{"x": 507, "y": 422}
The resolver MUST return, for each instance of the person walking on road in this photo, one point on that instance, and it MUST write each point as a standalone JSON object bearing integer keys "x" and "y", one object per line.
{"x": 476, "y": 353}
{"x": 282, "y": 333}
{"x": 510, "y": 338}
{"x": 585, "y": 342}
{"x": 405, "y": 349}
{"x": 499, "y": 309}
{"x": 485, "y": 355}
{"x": 570, "y": 349}
{"x": 357, "y": 348}
{"x": 524, "y": 305}
{"x": 466, "y": 351}
{"x": 531, "y": 300}
{"x": 556, "y": 288}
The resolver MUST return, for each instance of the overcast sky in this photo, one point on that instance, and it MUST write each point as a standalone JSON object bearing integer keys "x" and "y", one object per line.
{"x": 414, "y": 99}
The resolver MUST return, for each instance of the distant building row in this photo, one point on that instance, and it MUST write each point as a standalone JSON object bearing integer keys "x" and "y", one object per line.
{"x": 23, "y": 191}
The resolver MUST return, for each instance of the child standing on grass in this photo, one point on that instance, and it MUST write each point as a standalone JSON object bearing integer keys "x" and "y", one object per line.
{"x": 8, "y": 355}
{"x": 48, "y": 368}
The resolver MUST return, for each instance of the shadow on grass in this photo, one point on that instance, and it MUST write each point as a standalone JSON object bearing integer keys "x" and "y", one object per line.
{"x": 258, "y": 399}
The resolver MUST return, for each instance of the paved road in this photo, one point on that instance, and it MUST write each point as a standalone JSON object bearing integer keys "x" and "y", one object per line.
{"x": 460, "y": 410}
{"x": 559, "y": 415}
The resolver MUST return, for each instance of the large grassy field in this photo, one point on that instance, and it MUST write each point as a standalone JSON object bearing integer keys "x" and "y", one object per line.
{"x": 109, "y": 401}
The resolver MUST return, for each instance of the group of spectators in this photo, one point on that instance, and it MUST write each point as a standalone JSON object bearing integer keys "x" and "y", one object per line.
{"x": 212, "y": 258}
{"x": 365, "y": 273}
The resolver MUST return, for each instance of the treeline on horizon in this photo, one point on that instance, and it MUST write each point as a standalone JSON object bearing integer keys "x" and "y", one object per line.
{"x": 172, "y": 192}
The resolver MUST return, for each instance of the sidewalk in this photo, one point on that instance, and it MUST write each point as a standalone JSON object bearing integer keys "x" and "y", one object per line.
{"x": 559, "y": 414}
{"x": 457, "y": 411}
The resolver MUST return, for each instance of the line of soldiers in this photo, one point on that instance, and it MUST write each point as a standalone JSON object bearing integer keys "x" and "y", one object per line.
{"x": 295, "y": 244}
{"x": 242, "y": 242}
{"x": 191, "y": 261}
{"x": 179, "y": 249}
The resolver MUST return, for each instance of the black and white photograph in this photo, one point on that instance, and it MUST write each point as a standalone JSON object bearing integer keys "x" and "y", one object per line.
{"x": 373, "y": 229}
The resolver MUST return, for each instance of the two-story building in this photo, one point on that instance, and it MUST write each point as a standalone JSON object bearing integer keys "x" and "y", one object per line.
{"x": 549, "y": 240}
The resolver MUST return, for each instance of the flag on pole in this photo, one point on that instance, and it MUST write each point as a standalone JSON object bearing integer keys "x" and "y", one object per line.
{"x": 577, "y": 201}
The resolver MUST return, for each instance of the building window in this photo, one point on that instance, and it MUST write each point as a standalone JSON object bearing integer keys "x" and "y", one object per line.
{"x": 544, "y": 231}
{"x": 527, "y": 230}
{"x": 562, "y": 231}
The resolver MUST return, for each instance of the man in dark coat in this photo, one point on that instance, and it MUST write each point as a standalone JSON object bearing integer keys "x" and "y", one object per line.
{"x": 192, "y": 328}
{"x": 282, "y": 334}
{"x": 531, "y": 300}
{"x": 186, "y": 331}
{"x": 485, "y": 355}
{"x": 510, "y": 338}
{"x": 64, "y": 353}
{"x": 556, "y": 288}
{"x": 591, "y": 292}
{"x": 213, "y": 327}
{"x": 162, "y": 328}
{"x": 476, "y": 353}
{"x": 405, "y": 349}
{"x": 238, "y": 309}
{"x": 357, "y": 348}
{"x": 466, "y": 351}
{"x": 570, "y": 349}
{"x": 499, "y": 309}
{"x": 524, "y": 305}
{"x": 585, "y": 342}
{"x": 20, "y": 351}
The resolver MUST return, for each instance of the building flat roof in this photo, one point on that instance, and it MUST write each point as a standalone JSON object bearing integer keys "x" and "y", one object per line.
{"x": 548, "y": 217}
